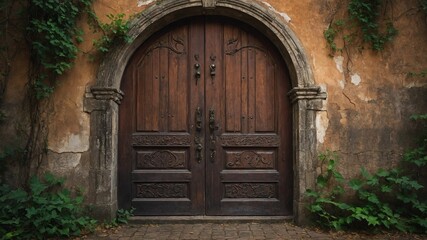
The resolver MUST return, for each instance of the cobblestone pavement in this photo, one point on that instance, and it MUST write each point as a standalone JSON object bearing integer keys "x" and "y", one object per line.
{"x": 230, "y": 231}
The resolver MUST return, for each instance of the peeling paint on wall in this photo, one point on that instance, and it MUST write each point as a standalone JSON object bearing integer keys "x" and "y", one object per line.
{"x": 144, "y": 2}
{"x": 76, "y": 143}
{"x": 339, "y": 60}
{"x": 322, "y": 124}
{"x": 282, "y": 14}
{"x": 356, "y": 79}
{"x": 342, "y": 83}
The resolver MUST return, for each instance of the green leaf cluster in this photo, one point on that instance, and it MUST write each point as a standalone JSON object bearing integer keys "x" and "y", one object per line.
{"x": 122, "y": 217}
{"x": 54, "y": 32}
{"x": 114, "y": 31}
{"x": 387, "y": 199}
{"x": 366, "y": 13}
{"x": 45, "y": 211}
{"x": 363, "y": 21}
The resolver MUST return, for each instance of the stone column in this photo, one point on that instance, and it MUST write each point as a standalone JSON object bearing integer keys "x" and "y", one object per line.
{"x": 307, "y": 101}
{"x": 102, "y": 104}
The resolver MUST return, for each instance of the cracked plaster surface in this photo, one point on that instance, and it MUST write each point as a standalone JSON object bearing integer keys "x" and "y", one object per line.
{"x": 282, "y": 14}
{"x": 356, "y": 79}
{"x": 144, "y": 2}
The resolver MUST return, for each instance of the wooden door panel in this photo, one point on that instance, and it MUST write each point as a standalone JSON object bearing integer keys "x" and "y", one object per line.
{"x": 214, "y": 143}
{"x": 247, "y": 175}
{"x": 164, "y": 176}
{"x": 163, "y": 87}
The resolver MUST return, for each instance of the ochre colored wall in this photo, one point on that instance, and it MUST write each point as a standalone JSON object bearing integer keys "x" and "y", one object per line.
{"x": 366, "y": 113}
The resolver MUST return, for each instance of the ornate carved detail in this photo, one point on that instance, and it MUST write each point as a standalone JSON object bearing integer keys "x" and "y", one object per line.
{"x": 161, "y": 190}
{"x": 267, "y": 141}
{"x": 233, "y": 47}
{"x": 209, "y": 3}
{"x": 174, "y": 43}
{"x": 250, "y": 190}
{"x": 248, "y": 159}
{"x": 160, "y": 160}
{"x": 160, "y": 140}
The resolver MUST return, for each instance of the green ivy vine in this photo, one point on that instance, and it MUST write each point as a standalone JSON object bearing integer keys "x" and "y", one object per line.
{"x": 364, "y": 24}
{"x": 53, "y": 36}
{"x": 363, "y": 21}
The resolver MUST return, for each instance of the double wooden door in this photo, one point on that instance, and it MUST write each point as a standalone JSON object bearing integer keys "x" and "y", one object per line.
{"x": 205, "y": 125}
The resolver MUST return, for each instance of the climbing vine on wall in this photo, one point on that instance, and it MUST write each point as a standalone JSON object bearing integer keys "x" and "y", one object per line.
{"x": 355, "y": 25}
{"x": 52, "y": 34}
{"x": 367, "y": 23}
{"x": 363, "y": 25}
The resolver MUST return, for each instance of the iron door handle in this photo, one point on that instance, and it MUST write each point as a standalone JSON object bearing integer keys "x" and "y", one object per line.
{"x": 199, "y": 152}
{"x": 212, "y": 120}
{"x": 212, "y": 128}
{"x": 213, "y": 70}
{"x": 198, "y": 119}
{"x": 197, "y": 140}
{"x": 198, "y": 73}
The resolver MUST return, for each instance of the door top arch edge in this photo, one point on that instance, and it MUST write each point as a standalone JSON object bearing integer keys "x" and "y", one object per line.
{"x": 164, "y": 13}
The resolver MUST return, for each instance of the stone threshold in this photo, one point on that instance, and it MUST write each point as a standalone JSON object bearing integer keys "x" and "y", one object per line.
{"x": 208, "y": 219}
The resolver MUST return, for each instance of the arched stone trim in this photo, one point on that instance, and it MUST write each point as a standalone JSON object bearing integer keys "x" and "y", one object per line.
{"x": 103, "y": 98}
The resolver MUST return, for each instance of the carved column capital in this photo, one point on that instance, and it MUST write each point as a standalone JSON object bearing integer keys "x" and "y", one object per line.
{"x": 106, "y": 93}
{"x": 209, "y": 3}
{"x": 99, "y": 98}
{"x": 307, "y": 93}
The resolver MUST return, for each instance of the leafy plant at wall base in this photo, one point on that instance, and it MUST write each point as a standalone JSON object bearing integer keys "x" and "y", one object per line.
{"x": 9, "y": 151}
{"x": 47, "y": 210}
{"x": 122, "y": 217}
{"x": 387, "y": 199}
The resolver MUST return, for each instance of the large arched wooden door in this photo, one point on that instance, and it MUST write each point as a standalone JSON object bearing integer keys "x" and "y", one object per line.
{"x": 205, "y": 124}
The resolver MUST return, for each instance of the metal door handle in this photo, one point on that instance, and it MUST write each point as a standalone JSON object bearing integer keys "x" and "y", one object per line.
{"x": 212, "y": 120}
{"x": 198, "y": 73}
{"x": 212, "y": 148}
{"x": 197, "y": 140}
{"x": 198, "y": 119}
{"x": 212, "y": 128}
{"x": 213, "y": 69}
{"x": 199, "y": 152}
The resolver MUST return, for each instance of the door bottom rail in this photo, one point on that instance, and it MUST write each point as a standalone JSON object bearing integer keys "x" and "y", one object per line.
{"x": 208, "y": 219}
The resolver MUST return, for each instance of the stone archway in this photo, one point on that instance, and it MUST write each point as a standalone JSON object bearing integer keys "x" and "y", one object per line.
{"x": 103, "y": 98}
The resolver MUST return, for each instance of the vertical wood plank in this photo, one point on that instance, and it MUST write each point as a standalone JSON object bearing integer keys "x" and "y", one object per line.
{"x": 145, "y": 93}
{"x": 233, "y": 60}
{"x": 155, "y": 106}
{"x": 251, "y": 86}
{"x": 164, "y": 89}
{"x": 178, "y": 83}
{"x": 264, "y": 94}
{"x": 244, "y": 84}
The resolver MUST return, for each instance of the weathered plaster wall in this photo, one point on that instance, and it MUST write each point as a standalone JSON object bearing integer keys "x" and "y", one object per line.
{"x": 367, "y": 110}
{"x": 365, "y": 117}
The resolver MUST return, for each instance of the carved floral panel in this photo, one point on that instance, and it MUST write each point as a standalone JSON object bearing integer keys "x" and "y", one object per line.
{"x": 161, "y": 190}
{"x": 248, "y": 141}
{"x": 161, "y": 160}
{"x": 250, "y": 160}
{"x": 160, "y": 140}
{"x": 250, "y": 190}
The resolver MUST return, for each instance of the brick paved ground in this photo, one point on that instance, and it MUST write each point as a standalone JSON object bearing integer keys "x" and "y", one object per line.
{"x": 230, "y": 231}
